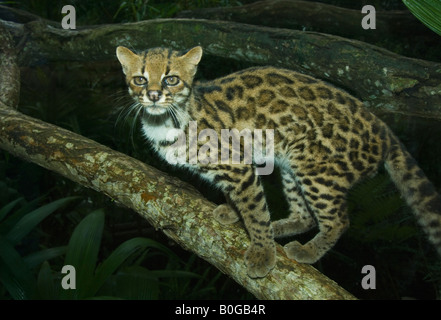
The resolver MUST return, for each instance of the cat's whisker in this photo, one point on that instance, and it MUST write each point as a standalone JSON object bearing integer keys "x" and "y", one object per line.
{"x": 131, "y": 111}
{"x": 177, "y": 114}
{"x": 134, "y": 121}
{"x": 124, "y": 113}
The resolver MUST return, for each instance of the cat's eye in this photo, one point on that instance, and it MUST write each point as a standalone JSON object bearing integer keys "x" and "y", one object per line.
{"x": 171, "y": 81}
{"x": 139, "y": 81}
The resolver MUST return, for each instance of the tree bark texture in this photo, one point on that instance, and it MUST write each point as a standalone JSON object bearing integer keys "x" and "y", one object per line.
{"x": 9, "y": 71}
{"x": 385, "y": 81}
{"x": 168, "y": 204}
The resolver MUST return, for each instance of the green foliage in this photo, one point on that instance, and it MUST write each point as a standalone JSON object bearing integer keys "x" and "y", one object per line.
{"x": 104, "y": 11}
{"x": 122, "y": 274}
{"x": 374, "y": 207}
{"x": 427, "y": 11}
{"x": 383, "y": 233}
{"x": 15, "y": 225}
{"x": 137, "y": 10}
{"x": 117, "y": 276}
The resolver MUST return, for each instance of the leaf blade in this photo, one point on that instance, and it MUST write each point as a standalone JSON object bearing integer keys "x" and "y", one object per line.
{"x": 120, "y": 255}
{"x": 32, "y": 219}
{"x": 82, "y": 253}
{"x": 427, "y": 11}
{"x": 14, "y": 274}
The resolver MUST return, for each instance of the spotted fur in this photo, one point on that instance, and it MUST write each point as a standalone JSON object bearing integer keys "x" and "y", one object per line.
{"x": 325, "y": 142}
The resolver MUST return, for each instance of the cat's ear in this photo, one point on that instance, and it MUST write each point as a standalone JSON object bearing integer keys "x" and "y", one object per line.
{"x": 193, "y": 56}
{"x": 126, "y": 57}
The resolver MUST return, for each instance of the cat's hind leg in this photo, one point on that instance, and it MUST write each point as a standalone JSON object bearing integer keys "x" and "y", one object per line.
{"x": 326, "y": 198}
{"x": 300, "y": 218}
{"x": 246, "y": 192}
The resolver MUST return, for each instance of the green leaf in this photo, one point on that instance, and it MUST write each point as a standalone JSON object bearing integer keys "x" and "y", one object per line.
{"x": 14, "y": 274}
{"x": 11, "y": 220}
{"x": 32, "y": 219}
{"x": 427, "y": 11}
{"x": 120, "y": 255}
{"x": 136, "y": 283}
{"x": 35, "y": 259}
{"x": 7, "y": 208}
{"x": 45, "y": 283}
{"x": 82, "y": 254}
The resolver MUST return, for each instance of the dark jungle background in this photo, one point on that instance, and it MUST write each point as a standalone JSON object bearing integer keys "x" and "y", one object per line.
{"x": 87, "y": 98}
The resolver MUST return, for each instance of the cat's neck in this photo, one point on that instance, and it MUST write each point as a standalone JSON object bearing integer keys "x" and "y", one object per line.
{"x": 166, "y": 127}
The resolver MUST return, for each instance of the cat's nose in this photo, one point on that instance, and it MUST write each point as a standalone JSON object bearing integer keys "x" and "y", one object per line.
{"x": 154, "y": 95}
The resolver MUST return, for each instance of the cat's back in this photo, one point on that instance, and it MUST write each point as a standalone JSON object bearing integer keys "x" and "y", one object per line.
{"x": 266, "y": 94}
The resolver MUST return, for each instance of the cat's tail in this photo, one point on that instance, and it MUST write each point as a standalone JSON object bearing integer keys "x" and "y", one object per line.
{"x": 418, "y": 191}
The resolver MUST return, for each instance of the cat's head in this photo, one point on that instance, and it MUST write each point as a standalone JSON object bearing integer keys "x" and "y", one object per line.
{"x": 159, "y": 78}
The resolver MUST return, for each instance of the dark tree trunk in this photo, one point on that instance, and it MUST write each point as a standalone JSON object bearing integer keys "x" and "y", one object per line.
{"x": 325, "y": 18}
{"x": 385, "y": 81}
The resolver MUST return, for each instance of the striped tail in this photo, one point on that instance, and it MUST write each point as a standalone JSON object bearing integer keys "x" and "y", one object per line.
{"x": 417, "y": 190}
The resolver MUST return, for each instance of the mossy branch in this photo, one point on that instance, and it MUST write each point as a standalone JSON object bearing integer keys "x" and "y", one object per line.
{"x": 387, "y": 82}
{"x": 317, "y": 16}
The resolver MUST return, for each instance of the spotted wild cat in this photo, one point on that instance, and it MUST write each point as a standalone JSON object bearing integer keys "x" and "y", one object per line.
{"x": 324, "y": 142}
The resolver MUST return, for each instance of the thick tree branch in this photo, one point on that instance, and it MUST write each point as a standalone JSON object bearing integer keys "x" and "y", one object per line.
{"x": 168, "y": 204}
{"x": 322, "y": 17}
{"x": 385, "y": 81}
{"x": 9, "y": 71}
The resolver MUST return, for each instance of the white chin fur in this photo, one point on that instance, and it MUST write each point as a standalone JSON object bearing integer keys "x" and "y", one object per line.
{"x": 156, "y": 111}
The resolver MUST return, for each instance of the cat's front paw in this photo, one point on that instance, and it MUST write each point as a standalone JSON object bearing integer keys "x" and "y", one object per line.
{"x": 301, "y": 253}
{"x": 225, "y": 214}
{"x": 260, "y": 260}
